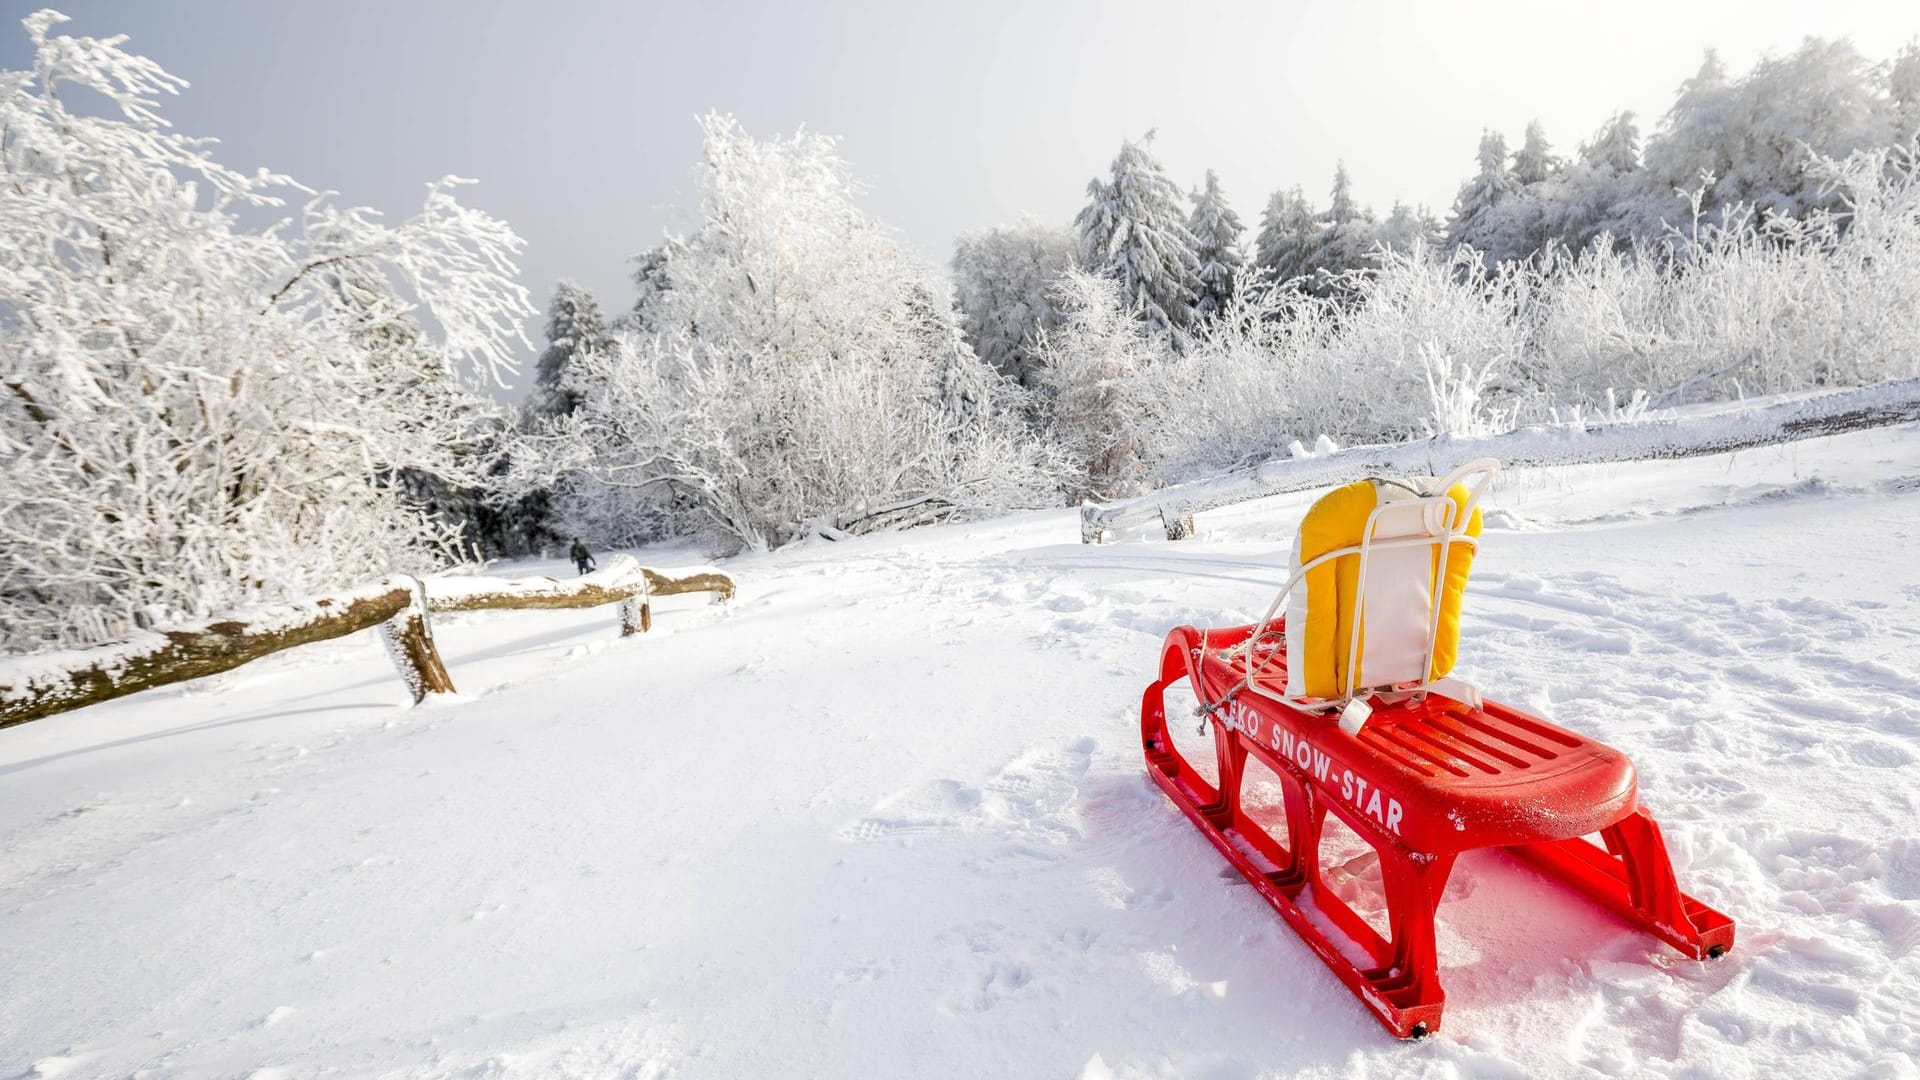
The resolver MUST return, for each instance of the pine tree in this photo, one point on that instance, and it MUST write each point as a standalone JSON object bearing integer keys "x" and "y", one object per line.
{"x": 1341, "y": 209}
{"x": 1903, "y": 93}
{"x": 574, "y": 326}
{"x": 1133, "y": 231}
{"x": 1216, "y": 231}
{"x": 1534, "y": 161}
{"x": 1345, "y": 240}
{"x": 649, "y": 281}
{"x": 1407, "y": 227}
{"x": 1473, "y": 207}
{"x": 1288, "y": 228}
{"x": 1615, "y": 146}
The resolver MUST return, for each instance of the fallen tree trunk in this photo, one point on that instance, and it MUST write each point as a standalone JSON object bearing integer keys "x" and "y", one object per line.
{"x": 623, "y": 579}
{"x": 1564, "y": 444}
{"x": 42, "y": 684}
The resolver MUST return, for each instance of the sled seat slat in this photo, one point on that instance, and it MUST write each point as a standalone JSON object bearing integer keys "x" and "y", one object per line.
{"x": 1464, "y": 776}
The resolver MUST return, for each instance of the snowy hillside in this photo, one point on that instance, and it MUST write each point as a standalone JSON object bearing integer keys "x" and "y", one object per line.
{"x": 885, "y": 815}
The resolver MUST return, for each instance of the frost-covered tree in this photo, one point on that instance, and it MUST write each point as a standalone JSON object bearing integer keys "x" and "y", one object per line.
{"x": 1903, "y": 95}
{"x": 1534, "y": 161}
{"x": 1755, "y": 136}
{"x": 461, "y": 500}
{"x": 1134, "y": 231}
{"x": 1599, "y": 192}
{"x": 196, "y": 411}
{"x": 1095, "y": 372}
{"x": 1616, "y": 146}
{"x": 649, "y": 281}
{"x": 801, "y": 375}
{"x": 1288, "y": 228}
{"x": 1216, "y": 233}
{"x": 1527, "y": 219}
{"x": 1407, "y": 226}
{"x": 1346, "y": 238}
{"x": 1473, "y": 209}
{"x": 574, "y": 327}
{"x": 1003, "y": 281}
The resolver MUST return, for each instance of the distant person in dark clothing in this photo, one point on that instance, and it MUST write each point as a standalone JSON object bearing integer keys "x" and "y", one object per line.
{"x": 582, "y": 558}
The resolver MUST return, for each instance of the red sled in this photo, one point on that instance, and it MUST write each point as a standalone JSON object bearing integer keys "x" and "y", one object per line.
{"x": 1421, "y": 768}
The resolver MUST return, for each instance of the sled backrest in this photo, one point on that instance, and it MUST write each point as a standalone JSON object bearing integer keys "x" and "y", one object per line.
{"x": 1379, "y": 568}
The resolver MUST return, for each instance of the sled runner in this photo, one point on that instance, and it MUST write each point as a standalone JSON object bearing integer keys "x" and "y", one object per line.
{"x": 1346, "y": 698}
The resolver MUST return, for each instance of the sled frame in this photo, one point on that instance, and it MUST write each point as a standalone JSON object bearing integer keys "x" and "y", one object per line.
{"x": 1396, "y": 976}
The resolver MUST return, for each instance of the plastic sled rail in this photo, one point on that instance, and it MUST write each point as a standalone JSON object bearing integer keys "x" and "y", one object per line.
{"x": 1426, "y": 779}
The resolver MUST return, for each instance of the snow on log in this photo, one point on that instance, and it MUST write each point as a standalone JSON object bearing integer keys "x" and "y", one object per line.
{"x": 622, "y": 579}
{"x": 1560, "y": 444}
{"x": 41, "y": 684}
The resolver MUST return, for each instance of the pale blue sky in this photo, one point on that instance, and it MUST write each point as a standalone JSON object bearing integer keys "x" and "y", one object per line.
{"x": 578, "y": 118}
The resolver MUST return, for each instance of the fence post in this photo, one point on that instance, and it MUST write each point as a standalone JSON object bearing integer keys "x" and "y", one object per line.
{"x": 409, "y": 640}
{"x": 636, "y": 611}
{"x": 1177, "y": 520}
{"x": 1090, "y": 533}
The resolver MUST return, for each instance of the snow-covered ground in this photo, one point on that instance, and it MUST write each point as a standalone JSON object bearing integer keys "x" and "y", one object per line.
{"x": 884, "y": 815}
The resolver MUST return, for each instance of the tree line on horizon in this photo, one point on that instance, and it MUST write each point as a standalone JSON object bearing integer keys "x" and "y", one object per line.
{"x": 1733, "y": 157}
{"x": 198, "y": 411}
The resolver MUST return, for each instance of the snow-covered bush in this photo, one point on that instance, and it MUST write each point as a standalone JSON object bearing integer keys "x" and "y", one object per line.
{"x": 797, "y": 375}
{"x": 1224, "y": 401}
{"x": 1424, "y": 346}
{"x": 1746, "y": 306}
{"x": 195, "y": 411}
{"x": 1102, "y": 385}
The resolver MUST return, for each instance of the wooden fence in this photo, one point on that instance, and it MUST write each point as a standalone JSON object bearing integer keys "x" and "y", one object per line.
{"x": 43, "y": 684}
{"x": 1565, "y": 444}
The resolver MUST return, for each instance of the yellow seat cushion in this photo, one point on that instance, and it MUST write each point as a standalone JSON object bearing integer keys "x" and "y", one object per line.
{"x": 1317, "y": 659}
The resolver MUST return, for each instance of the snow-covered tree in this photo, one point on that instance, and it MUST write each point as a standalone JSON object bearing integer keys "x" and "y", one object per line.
{"x": 1615, "y": 146}
{"x": 801, "y": 375}
{"x": 1903, "y": 95}
{"x": 1756, "y": 135}
{"x": 574, "y": 327}
{"x": 1473, "y": 208}
{"x": 1534, "y": 161}
{"x": 1288, "y": 228}
{"x": 1003, "y": 282}
{"x": 196, "y": 411}
{"x": 1407, "y": 226}
{"x": 649, "y": 281}
{"x": 1216, "y": 233}
{"x": 1600, "y": 191}
{"x": 1095, "y": 371}
{"x": 1346, "y": 238}
{"x": 1133, "y": 230}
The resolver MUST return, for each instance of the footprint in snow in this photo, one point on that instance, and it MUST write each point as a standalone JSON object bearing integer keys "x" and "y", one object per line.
{"x": 1032, "y": 797}
{"x": 1880, "y": 754}
{"x": 939, "y": 806}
